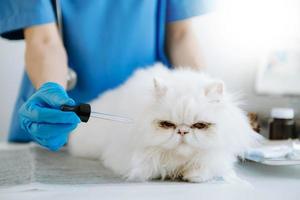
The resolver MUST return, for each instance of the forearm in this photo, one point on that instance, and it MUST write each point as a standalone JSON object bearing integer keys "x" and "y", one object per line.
{"x": 45, "y": 56}
{"x": 182, "y": 45}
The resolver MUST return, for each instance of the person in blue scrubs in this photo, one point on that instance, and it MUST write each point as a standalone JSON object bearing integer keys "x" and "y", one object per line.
{"x": 104, "y": 41}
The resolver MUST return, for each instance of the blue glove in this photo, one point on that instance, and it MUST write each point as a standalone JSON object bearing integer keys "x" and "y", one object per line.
{"x": 42, "y": 118}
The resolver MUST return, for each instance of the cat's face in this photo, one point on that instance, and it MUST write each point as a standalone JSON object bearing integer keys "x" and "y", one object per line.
{"x": 184, "y": 116}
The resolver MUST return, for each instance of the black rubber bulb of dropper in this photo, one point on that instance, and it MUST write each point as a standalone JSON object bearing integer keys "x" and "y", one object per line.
{"x": 83, "y": 111}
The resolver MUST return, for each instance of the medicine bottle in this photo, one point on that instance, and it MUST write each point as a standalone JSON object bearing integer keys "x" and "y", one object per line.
{"x": 282, "y": 124}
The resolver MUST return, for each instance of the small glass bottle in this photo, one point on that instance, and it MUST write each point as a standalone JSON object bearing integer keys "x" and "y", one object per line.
{"x": 282, "y": 125}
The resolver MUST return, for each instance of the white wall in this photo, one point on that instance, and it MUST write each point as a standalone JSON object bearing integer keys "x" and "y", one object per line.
{"x": 235, "y": 58}
{"x": 226, "y": 52}
{"x": 11, "y": 68}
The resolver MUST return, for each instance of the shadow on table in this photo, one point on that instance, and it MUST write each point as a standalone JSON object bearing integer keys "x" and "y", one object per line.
{"x": 249, "y": 168}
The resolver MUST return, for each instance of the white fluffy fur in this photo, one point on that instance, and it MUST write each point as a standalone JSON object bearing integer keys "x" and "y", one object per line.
{"x": 143, "y": 150}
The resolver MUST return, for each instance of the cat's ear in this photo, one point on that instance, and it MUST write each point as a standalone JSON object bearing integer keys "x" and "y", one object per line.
{"x": 159, "y": 87}
{"x": 215, "y": 91}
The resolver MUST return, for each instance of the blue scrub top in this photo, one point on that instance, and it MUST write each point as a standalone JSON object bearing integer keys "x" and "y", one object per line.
{"x": 106, "y": 40}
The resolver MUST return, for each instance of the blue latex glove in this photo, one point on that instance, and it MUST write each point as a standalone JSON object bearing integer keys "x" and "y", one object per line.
{"x": 42, "y": 118}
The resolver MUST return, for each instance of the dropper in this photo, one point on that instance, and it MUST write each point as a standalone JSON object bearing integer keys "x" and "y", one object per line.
{"x": 84, "y": 112}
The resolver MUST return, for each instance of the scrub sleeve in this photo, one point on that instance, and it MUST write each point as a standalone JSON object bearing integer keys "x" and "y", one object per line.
{"x": 18, "y": 14}
{"x": 183, "y": 9}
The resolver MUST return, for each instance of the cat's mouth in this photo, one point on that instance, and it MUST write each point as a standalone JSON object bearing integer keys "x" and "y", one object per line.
{"x": 182, "y": 141}
{"x": 183, "y": 149}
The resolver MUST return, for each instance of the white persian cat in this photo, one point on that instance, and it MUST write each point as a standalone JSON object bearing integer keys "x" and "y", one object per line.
{"x": 185, "y": 125}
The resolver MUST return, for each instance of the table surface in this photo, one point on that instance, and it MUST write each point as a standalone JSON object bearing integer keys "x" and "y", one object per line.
{"x": 259, "y": 182}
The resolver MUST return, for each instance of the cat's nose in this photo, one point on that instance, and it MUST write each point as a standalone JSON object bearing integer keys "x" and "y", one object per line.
{"x": 182, "y": 131}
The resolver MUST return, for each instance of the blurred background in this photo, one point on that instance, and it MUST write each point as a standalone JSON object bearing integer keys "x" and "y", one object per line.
{"x": 253, "y": 45}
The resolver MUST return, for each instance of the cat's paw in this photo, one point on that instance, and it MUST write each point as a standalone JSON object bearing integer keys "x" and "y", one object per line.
{"x": 197, "y": 179}
{"x": 137, "y": 175}
{"x": 197, "y": 176}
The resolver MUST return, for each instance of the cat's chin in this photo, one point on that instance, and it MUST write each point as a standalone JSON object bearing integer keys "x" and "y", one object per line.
{"x": 184, "y": 149}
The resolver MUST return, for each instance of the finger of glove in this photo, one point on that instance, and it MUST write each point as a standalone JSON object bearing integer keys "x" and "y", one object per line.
{"x": 36, "y": 113}
{"x": 46, "y": 131}
{"x": 54, "y": 95}
{"x": 56, "y": 143}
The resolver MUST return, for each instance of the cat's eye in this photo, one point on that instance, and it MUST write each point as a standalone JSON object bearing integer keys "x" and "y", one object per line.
{"x": 166, "y": 124}
{"x": 201, "y": 125}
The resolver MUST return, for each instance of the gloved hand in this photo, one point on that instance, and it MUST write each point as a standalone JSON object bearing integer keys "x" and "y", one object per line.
{"x": 42, "y": 118}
